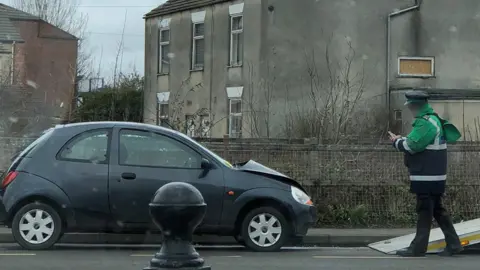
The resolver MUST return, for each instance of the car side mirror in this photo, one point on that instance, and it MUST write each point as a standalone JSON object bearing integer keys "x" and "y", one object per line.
{"x": 206, "y": 165}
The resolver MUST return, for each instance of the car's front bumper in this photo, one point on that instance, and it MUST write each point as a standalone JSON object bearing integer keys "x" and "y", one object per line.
{"x": 305, "y": 217}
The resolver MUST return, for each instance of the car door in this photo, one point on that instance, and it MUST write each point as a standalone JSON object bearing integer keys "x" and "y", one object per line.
{"x": 82, "y": 166}
{"x": 147, "y": 160}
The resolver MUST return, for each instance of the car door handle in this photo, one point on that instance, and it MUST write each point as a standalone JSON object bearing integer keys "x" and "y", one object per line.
{"x": 129, "y": 176}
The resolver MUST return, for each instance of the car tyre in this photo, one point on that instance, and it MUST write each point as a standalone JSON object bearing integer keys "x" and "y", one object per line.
{"x": 240, "y": 240}
{"x": 265, "y": 229}
{"x": 37, "y": 226}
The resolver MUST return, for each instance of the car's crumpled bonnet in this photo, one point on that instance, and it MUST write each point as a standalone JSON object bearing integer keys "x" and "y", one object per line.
{"x": 257, "y": 168}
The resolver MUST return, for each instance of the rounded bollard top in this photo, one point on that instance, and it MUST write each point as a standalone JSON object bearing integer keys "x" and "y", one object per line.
{"x": 178, "y": 193}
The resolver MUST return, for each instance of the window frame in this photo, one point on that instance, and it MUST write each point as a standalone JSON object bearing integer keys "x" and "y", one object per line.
{"x": 231, "y": 115}
{"x": 161, "y": 44}
{"x": 58, "y": 156}
{"x": 188, "y": 118}
{"x": 396, "y": 113}
{"x": 195, "y": 66}
{"x": 420, "y": 58}
{"x": 202, "y": 118}
{"x": 201, "y": 156}
{"x": 232, "y": 33}
{"x": 162, "y": 118}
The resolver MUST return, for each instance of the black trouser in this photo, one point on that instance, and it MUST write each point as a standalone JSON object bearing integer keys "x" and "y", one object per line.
{"x": 429, "y": 206}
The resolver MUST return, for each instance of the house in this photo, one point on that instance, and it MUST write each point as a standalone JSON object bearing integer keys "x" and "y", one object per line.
{"x": 37, "y": 70}
{"x": 277, "y": 68}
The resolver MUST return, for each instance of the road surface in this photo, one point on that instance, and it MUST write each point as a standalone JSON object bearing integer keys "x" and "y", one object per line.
{"x": 233, "y": 258}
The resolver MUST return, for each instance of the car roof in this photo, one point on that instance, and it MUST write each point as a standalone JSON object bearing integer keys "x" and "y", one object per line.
{"x": 121, "y": 124}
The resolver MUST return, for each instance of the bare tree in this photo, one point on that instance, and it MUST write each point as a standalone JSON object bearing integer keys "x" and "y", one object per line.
{"x": 64, "y": 14}
{"x": 335, "y": 98}
{"x": 259, "y": 102}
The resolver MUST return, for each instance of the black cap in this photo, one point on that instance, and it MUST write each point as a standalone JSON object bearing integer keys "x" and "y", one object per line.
{"x": 415, "y": 96}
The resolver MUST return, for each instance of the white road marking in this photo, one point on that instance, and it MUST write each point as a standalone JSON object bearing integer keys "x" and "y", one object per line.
{"x": 151, "y": 255}
{"x": 233, "y": 256}
{"x": 142, "y": 255}
{"x": 18, "y": 254}
{"x": 364, "y": 257}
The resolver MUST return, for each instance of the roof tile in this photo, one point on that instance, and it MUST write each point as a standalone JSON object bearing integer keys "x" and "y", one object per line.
{"x": 173, "y": 6}
{"x": 8, "y": 32}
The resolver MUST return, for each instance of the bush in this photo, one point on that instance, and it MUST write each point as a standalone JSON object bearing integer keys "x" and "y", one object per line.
{"x": 385, "y": 206}
{"x": 110, "y": 105}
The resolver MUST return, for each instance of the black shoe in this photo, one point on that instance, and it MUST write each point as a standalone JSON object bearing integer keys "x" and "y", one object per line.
{"x": 409, "y": 253}
{"x": 448, "y": 252}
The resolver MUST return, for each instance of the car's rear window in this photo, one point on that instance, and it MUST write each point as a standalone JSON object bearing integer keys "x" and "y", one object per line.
{"x": 45, "y": 135}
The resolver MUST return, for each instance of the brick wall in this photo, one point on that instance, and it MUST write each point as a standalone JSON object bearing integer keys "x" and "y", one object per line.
{"x": 48, "y": 58}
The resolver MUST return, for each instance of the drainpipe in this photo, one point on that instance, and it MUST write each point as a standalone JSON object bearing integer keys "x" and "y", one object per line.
{"x": 12, "y": 69}
{"x": 416, "y": 6}
{"x": 212, "y": 41}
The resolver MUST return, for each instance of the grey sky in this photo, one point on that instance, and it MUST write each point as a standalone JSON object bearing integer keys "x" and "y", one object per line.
{"x": 106, "y": 19}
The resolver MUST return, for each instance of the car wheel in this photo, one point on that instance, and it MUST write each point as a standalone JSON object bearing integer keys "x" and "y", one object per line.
{"x": 265, "y": 229}
{"x": 37, "y": 226}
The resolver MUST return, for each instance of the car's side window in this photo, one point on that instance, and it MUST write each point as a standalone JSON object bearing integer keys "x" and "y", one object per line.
{"x": 90, "y": 146}
{"x": 143, "y": 148}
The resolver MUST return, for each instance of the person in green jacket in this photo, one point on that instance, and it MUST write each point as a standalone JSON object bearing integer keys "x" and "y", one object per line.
{"x": 425, "y": 151}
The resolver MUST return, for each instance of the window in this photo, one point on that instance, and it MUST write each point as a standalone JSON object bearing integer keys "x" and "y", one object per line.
{"x": 235, "y": 121}
{"x": 163, "y": 114}
{"x": 163, "y": 109}
{"x": 236, "y": 40}
{"x": 198, "y": 46}
{"x": 398, "y": 115}
{"x": 142, "y": 148}
{"x": 204, "y": 126}
{"x": 190, "y": 125}
{"x": 416, "y": 67}
{"x": 91, "y": 146}
{"x": 164, "y": 51}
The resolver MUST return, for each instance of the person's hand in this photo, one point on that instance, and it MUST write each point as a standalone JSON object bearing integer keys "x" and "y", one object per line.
{"x": 393, "y": 137}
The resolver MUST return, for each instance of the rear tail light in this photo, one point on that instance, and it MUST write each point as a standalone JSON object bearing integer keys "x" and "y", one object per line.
{"x": 9, "y": 178}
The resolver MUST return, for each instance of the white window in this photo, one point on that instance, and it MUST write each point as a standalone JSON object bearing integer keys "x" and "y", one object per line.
{"x": 198, "y": 46}
{"x": 163, "y": 108}
{"x": 190, "y": 125}
{"x": 164, "y": 51}
{"x": 236, "y": 40}
{"x": 204, "y": 126}
{"x": 198, "y": 40}
{"x": 398, "y": 115}
{"x": 235, "y": 119}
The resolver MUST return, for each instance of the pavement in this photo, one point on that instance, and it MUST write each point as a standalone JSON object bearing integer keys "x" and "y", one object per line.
{"x": 76, "y": 257}
{"x": 315, "y": 237}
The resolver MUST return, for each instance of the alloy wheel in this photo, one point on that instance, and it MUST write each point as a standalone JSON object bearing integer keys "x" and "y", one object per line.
{"x": 36, "y": 226}
{"x": 264, "y": 230}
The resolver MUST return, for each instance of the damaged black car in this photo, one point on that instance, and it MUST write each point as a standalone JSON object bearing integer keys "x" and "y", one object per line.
{"x": 101, "y": 176}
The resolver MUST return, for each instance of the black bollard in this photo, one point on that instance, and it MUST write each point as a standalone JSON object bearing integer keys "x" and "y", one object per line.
{"x": 177, "y": 209}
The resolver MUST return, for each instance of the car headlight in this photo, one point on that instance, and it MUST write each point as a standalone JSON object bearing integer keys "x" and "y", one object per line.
{"x": 301, "y": 196}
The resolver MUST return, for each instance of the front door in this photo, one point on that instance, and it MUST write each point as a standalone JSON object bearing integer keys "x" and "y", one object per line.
{"x": 148, "y": 160}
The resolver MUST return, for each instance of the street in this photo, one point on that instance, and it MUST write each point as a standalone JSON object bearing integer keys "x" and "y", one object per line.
{"x": 233, "y": 258}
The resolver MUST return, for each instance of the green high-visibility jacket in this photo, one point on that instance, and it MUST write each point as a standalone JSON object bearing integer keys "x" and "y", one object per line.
{"x": 425, "y": 150}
